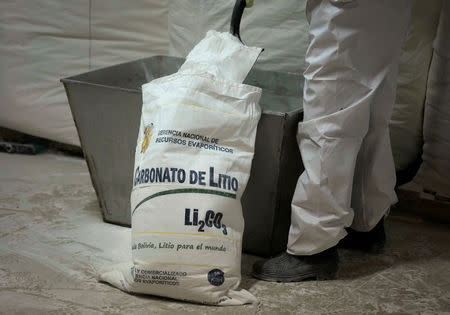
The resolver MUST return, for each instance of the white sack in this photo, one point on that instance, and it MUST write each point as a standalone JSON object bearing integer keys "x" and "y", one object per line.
{"x": 42, "y": 41}
{"x": 193, "y": 157}
{"x": 278, "y": 26}
{"x": 407, "y": 116}
{"x": 434, "y": 172}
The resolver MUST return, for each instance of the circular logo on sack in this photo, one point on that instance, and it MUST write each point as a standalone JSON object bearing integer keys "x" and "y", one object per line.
{"x": 216, "y": 277}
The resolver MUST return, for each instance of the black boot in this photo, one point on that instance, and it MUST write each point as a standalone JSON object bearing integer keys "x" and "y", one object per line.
{"x": 372, "y": 241}
{"x": 291, "y": 268}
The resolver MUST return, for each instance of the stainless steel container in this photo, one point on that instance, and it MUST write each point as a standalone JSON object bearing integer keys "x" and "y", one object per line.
{"x": 106, "y": 106}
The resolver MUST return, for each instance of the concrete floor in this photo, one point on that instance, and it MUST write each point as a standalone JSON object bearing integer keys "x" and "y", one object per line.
{"x": 53, "y": 240}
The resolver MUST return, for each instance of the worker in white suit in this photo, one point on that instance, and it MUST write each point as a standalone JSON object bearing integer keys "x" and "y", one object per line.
{"x": 348, "y": 184}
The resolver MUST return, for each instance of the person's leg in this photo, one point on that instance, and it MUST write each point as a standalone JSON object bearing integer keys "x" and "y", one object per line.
{"x": 374, "y": 179}
{"x": 351, "y": 58}
{"x": 354, "y": 45}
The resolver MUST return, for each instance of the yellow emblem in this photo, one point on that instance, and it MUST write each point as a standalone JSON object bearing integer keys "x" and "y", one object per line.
{"x": 147, "y": 137}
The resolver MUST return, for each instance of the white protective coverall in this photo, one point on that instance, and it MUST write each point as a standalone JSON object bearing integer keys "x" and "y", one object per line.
{"x": 349, "y": 92}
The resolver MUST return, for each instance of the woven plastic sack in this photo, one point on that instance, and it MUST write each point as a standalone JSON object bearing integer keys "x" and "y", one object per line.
{"x": 193, "y": 158}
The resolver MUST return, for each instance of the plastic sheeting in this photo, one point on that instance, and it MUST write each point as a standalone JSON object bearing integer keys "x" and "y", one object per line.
{"x": 282, "y": 28}
{"x": 407, "y": 117}
{"x": 45, "y": 40}
{"x": 278, "y": 26}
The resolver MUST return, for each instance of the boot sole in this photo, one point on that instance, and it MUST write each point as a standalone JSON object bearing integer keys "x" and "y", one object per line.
{"x": 319, "y": 275}
{"x": 375, "y": 249}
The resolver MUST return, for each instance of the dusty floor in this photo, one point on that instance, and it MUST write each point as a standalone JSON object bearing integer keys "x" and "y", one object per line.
{"x": 53, "y": 240}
